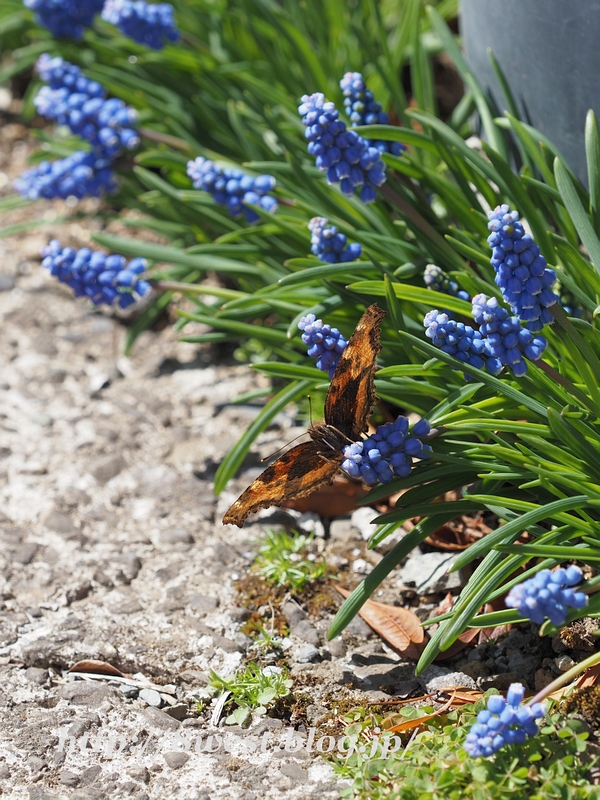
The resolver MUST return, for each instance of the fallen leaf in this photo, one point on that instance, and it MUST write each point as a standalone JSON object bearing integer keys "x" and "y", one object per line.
{"x": 409, "y": 724}
{"x": 98, "y": 668}
{"x": 398, "y": 626}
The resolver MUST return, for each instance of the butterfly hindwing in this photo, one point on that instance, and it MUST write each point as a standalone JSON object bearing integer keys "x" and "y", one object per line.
{"x": 296, "y": 473}
{"x": 352, "y": 392}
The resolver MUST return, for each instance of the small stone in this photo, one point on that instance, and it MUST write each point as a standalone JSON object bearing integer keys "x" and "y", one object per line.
{"x": 127, "y": 607}
{"x": 176, "y": 759}
{"x": 36, "y": 675}
{"x": 151, "y": 697}
{"x": 542, "y": 678}
{"x": 140, "y": 774}
{"x": 42, "y": 419}
{"x": 59, "y": 523}
{"x": 177, "y": 536}
{"x": 79, "y": 727}
{"x": 305, "y": 631}
{"x": 362, "y": 519}
{"x": 307, "y": 654}
{"x": 26, "y": 553}
{"x": 238, "y": 614}
{"x": 294, "y": 771}
{"x": 361, "y": 567}
{"x": 293, "y": 613}
{"x": 89, "y": 775}
{"x": 434, "y": 678}
{"x": 7, "y": 282}
{"x": 337, "y": 648}
{"x": 4, "y": 771}
{"x": 160, "y": 720}
{"x": 178, "y": 711}
{"x": 202, "y": 603}
{"x": 500, "y": 681}
{"x": 69, "y": 778}
{"x": 35, "y": 763}
{"x": 131, "y": 692}
{"x": 564, "y": 662}
{"x": 428, "y": 573}
{"x": 84, "y": 693}
{"x": 107, "y": 467}
{"x": 78, "y": 592}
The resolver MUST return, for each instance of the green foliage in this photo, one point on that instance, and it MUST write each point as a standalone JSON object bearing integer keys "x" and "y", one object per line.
{"x": 252, "y": 689}
{"x": 281, "y": 560}
{"x": 432, "y": 764}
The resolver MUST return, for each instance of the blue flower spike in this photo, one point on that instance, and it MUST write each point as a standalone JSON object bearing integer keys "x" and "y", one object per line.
{"x": 521, "y": 272}
{"x": 342, "y": 154}
{"x": 362, "y": 109}
{"x": 387, "y": 453}
{"x": 505, "y": 338}
{"x": 103, "y": 279}
{"x": 503, "y": 722}
{"x": 549, "y": 594}
{"x": 436, "y": 279}
{"x": 80, "y": 175}
{"x": 324, "y": 343}
{"x": 66, "y": 19}
{"x": 329, "y": 245}
{"x": 461, "y": 341}
{"x": 233, "y": 188}
{"x": 151, "y": 24}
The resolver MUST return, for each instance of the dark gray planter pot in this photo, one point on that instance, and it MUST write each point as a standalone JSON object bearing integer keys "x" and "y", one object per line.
{"x": 549, "y": 52}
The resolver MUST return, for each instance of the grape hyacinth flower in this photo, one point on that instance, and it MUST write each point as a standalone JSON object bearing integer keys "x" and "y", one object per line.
{"x": 461, "y": 341}
{"x": 387, "y": 453}
{"x": 436, "y": 279}
{"x": 503, "y": 722}
{"x": 329, "y": 245}
{"x": 65, "y": 18}
{"x": 341, "y": 153}
{"x": 521, "y": 272}
{"x": 79, "y": 175}
{"x": 505, "y": 339}
{"x": 146, "y": 23}
{"x": 362, "y": 109}
{"x": 73, "y": 99}
{"x": 93, "y": 274}
{"x": 324, "y": 343}
{"x": 548, "y": 594}
{"x": 232, "y": 188}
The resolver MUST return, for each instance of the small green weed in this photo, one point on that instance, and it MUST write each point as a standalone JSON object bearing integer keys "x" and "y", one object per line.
{"x": 434, "y": 766}
{"x": 281, "y": 560}
{"x": 252, "y": 690}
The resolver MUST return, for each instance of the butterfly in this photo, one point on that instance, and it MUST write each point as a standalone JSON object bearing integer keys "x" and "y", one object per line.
{"x": 309, "y": 465}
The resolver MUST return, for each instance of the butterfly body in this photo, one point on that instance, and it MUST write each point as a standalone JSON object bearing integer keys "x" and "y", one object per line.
{"x": 309, "y": 465}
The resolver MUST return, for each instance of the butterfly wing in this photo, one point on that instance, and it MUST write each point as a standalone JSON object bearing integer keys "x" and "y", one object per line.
{"x": 351, "y": 394}
{"x": 296, "y": 473}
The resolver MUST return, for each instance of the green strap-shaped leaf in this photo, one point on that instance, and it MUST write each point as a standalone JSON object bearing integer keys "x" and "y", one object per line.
{"x": 578, "y": 214}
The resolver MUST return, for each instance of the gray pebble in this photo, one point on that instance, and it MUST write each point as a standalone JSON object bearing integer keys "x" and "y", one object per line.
{"x": 35, "y": 763}
{"x": 26, "y": 553}
{"x": 69, "y": 778}
{"x": 107, "y": 467}
{"x": 59, "y": 523}
{"x": 293, "y": 613}
{"x": 140, "y": 774}
{"x": 434, "y": 678}
{"x": 151, "y": 697}
{"x": 127, "y": 607}
{"x": 84, "y": 693}
{"x": 177, "y": 536}
{"x": 79, "y": 592}
{"x": 160, "y": 720}
{"x": 428, "y": 573}
{"x": 178, "y": 711}
{"x": 36, "y": 675}
{"x": 305, "y": 631}
{"x": 307, "y": 654}
{"x": 131, "y": 692}
{"x": 337, "y": 648}
{"x": 176, "y": 760}
{"x": 294, "y": 771}
{"x": 79, "y": 727}
{"x": 202, "y": 603}
{"x": 7, "y": 282}
{"x": 89, "y": 775}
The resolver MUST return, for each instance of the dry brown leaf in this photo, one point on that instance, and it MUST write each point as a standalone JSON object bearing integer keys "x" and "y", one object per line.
{"x": 409, "y": 724}
{"x": 589, "y": 678}
{"x": 399, "y": 627}
{"x": 98, "y": 668}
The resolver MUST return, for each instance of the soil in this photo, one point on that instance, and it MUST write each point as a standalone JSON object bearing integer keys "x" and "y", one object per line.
{"x": 113, "y": 551}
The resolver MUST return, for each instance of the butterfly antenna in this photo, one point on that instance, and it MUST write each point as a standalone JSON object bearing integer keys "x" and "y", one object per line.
{"x": 279, "y": 449}
{"x": 310, "y": 410}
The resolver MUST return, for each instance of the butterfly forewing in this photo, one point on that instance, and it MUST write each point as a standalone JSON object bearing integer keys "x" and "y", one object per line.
{"x": 352, "y": 392}
{"x": 295, "y": 474}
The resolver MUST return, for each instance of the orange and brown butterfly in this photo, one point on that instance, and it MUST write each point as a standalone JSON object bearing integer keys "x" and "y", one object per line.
{"x": 349, "y": 401}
